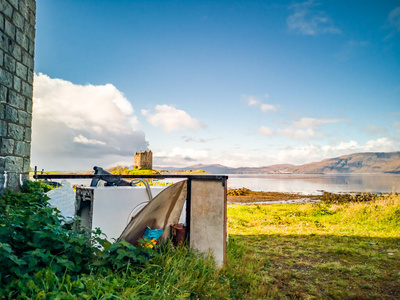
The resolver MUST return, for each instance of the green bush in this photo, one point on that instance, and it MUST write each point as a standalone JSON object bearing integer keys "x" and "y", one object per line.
{"x": 43, "y": 257}
{"x": 239, "y": 192}
{"x": 34, "y": 237}
{"x": 329, "y": 198}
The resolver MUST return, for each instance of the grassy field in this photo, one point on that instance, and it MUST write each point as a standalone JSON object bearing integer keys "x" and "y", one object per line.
{"x": 346, "y": 251}
{"x": 349, "y": 250}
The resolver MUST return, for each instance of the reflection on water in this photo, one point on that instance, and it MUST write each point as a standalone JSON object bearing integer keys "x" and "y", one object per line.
{"x": 316, "y": 183}
{"x": 305, "y": 183}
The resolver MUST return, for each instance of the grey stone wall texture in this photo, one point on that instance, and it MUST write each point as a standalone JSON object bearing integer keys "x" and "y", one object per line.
{"x": 17, "y": 47}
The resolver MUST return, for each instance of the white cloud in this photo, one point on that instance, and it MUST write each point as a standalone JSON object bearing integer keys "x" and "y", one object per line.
{"x": 242, "y": 157}
{"x": 77, "y": 127}
{"x": 375, "y": 130}
{"x": 264, "y": 107}
{"x": 171, "y": 119}
{"x": 267, "y": 107}
{"x": 252, "y": 101}
{"x": 304, "y": 154}
{"x": 297, "y": 133}
{"x": 394, "y": 19}
{"x": 382, "y": 145}
{"x": 312, "y": 122}
{"x": 299, "y": 129}
{"x": 84, "y": 140}
{"x": 306, "y": 128}
{"x": 307, "y": 20}
{"x": 189, "y": 139}
{"x": 181, "y": 157}
{"x": 313, "y": 153}
{"x": 266, "y": 131}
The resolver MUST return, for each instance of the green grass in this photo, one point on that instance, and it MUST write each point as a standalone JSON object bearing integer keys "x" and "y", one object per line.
{"x": 325, "y": 251}
{"x": 346, "y": 251}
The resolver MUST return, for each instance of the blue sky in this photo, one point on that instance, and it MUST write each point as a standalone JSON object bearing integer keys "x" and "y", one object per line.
{"x": 240, "y": 83}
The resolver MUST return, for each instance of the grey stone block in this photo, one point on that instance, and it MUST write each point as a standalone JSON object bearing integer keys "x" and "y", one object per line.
{"x": 23, "y": 9}
{"x": 15, "y": 50}
{"x": 28, "y": 105}
{"x": 2, "y": 113}
{"x": 1, "y": 22}
{"x": 31, "y": 33}
{"x": 31, "y": 4}
{"x": 24, "y": 118}
{"x": 31, "y": 48}
{"x": 3, "y": 128}
{"x": 18, "y": 20}
{"x": 22, "y": 40}
{"x": 26, "y": 89}
{"x": 6, "y": 147}
{"x": 6, "y": 78}
{"x": 3, "y": 41}
{"x": 17, "y": 84}
{"x": 30, "y": 76}
{"x": 17, "y": 100}
{"x": 21, "y": 71}
{"x": 14, "y": 3}
{"x": 28, "y": 134}
{"x": 1, "y": 58}
{"x": 27, "y": 60}
{"x": 14, "y": 164}
{"x": 2, "y": 163}
{"x": 9, "y": 63}
{"x": 16, "y": 131}
{"x": 6, "y": 8}
{"x": 11, "y": 114}
{"x": 13, "y": 181}
{"x": 27, "y": 166}
{"x": 32, "y": 19}
{"x": 9, "y": 29}
{"x": 22, "y": 149}
{"x": 3, "y": 94}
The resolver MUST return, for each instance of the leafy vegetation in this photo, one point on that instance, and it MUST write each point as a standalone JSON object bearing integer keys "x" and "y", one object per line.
{"x": 330, "y": 198}
{"x": 42, "y": 257}
{"x": 349, "y": 250}
{"x": 239, "y": 192}
{"x": 120, "y": 170}
{"x": 123, "y": 170}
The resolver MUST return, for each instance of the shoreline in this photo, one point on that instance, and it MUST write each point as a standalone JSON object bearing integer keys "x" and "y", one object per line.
{"x": 269, "y": 202}
{"x": 247, "y": 196}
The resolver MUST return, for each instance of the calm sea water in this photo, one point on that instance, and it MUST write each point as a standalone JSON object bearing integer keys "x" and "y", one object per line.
{"x": 309, "y": 183}
{"x": 317, "y": 183}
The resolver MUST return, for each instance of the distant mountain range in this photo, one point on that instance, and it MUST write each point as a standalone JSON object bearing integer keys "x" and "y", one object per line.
{"x": 361, "y": 163}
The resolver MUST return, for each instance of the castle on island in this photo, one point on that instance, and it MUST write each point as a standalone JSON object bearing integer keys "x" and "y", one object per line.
{"x": 143, "y": 160}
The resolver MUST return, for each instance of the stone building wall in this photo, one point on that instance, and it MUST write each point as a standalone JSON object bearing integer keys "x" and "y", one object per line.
{"x": 17, "y": 46}
{"x": 144, "y": 160}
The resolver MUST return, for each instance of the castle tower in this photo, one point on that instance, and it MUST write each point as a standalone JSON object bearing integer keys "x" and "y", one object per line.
{"x": 144, "y": 160}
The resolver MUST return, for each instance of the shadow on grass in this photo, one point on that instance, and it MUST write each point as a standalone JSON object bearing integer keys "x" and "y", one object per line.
{"x": 315, "y": 266}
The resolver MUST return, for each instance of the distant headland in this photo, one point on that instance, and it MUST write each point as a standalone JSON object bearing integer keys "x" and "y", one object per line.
{"x": 357, "y": 163}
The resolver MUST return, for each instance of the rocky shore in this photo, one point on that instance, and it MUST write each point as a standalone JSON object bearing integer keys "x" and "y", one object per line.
{"x": 246, "y": 196}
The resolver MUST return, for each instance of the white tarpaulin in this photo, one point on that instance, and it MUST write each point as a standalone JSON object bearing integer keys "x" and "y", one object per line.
{"x": 163, "y": 211}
